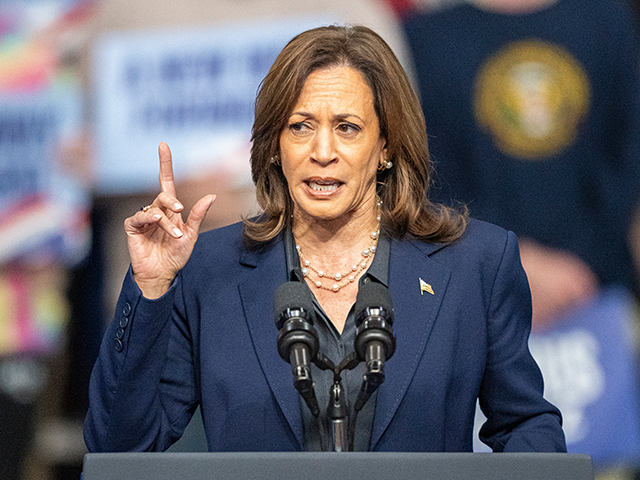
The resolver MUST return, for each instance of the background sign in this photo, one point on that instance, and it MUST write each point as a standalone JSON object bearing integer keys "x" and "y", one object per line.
{"x": 589, "y": 363}
{"x": 43, "y": 208}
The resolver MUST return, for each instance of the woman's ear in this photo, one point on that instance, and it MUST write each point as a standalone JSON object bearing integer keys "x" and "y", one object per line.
{"x": 384, "y": 163}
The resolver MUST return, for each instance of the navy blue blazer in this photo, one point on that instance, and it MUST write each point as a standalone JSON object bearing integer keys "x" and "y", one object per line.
{"x": 211, "y": 341}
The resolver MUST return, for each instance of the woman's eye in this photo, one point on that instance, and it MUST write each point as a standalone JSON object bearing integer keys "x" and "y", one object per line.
{"x": 298, "y": 127}
{"x": 349, "y": 128}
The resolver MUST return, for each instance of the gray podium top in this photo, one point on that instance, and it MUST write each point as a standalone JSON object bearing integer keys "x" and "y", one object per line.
{"x": 343, "y": 466}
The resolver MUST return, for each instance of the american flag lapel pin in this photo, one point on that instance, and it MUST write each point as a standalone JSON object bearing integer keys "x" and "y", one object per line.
{"x": 425, "y": 287}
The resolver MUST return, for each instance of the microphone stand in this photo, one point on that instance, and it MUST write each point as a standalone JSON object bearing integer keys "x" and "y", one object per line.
{"x": 342, "y": 424}
{"x": 338, "y": 410}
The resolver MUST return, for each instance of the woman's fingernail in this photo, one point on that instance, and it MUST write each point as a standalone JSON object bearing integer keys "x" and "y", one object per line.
{"x": 177, "y": 206}
{"x": 177, "y": 232}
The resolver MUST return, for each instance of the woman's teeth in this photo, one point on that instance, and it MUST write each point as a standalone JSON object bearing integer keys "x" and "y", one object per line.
{"x": 323, "y": 187}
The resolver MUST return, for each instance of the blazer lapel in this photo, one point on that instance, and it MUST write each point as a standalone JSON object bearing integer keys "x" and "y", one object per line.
{"x": 417, "y": 285}
{"x": 256, "y": 292}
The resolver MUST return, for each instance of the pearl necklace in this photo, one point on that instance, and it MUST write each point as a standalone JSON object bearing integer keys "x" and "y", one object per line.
{"x": 345, "y": 278}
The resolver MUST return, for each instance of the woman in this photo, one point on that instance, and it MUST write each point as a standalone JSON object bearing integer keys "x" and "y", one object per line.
{"x": 340, "y": 163}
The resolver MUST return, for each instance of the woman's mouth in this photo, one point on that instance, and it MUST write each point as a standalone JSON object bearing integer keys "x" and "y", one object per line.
{"x": 324, "y": 186}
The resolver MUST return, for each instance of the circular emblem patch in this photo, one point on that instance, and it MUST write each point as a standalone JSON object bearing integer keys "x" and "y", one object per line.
{"x": 531, "y": 97}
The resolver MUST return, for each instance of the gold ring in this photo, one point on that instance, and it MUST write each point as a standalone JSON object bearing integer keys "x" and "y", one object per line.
{"x": 145, "y": 208}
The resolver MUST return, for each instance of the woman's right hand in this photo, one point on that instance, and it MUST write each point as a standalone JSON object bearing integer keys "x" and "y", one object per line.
{"x": 160, "y": 243}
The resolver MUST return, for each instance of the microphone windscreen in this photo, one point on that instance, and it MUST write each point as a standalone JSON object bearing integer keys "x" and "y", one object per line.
{"x": 373, "y": 295}
{"x": 291, "y": 295}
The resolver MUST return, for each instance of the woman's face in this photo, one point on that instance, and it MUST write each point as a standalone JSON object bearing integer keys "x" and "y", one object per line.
{"x": 331, "y": 146}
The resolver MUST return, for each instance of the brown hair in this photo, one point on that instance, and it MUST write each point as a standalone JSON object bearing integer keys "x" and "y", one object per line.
{"x": 402, "y": 188}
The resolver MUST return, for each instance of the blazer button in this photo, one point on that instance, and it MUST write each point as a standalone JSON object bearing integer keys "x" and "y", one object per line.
{"x": 124, "y": 321}
{"x": 118, "y": 345}
{"x": 119, "y": 333}
{"x": 126, "y": 310}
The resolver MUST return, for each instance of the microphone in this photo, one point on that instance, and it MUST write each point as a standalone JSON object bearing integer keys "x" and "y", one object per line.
{"x": 374, "y": 342}
{"x": 298, "y": 341}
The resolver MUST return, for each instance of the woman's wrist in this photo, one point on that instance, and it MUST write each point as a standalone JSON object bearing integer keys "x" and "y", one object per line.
{"x": 153, "y": 288}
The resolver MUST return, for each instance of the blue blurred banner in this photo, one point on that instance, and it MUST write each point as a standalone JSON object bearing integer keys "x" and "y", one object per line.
{"x": 43, "y": 205}
{"x": 589, "y": 362}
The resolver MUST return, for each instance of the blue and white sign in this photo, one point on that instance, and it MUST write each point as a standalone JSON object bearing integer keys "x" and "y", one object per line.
{"x": 194, "y": 90}
{"x": 589, "y": 362}
{"x": 41, "y": 205}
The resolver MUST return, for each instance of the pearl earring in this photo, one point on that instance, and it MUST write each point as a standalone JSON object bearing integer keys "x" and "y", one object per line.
{"x": 384, "y": 166}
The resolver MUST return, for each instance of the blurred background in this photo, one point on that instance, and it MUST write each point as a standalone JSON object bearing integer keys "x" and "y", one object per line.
{"x": 533, "y": 112}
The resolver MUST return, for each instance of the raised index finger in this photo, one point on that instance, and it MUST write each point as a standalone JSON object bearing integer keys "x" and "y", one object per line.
{"x": 166, "y": 170}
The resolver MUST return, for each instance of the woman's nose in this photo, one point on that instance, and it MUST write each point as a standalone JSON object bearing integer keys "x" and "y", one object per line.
{"x": 324, "y": 151}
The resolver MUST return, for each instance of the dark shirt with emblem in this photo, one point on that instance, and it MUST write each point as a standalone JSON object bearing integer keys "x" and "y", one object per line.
{"x": 336, "y": 347}
{"x": 578, "y": 194}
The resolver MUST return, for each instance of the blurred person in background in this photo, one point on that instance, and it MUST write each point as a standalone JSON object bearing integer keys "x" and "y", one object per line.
{"x": 534, "y": 122}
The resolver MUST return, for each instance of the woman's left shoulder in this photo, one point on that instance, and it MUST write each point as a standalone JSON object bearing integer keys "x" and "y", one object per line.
{"x": 483, "y": 244}
{"x": 485, "y": 234}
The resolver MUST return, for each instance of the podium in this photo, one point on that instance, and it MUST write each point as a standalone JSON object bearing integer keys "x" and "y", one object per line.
{"x": 343, "y": 466}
